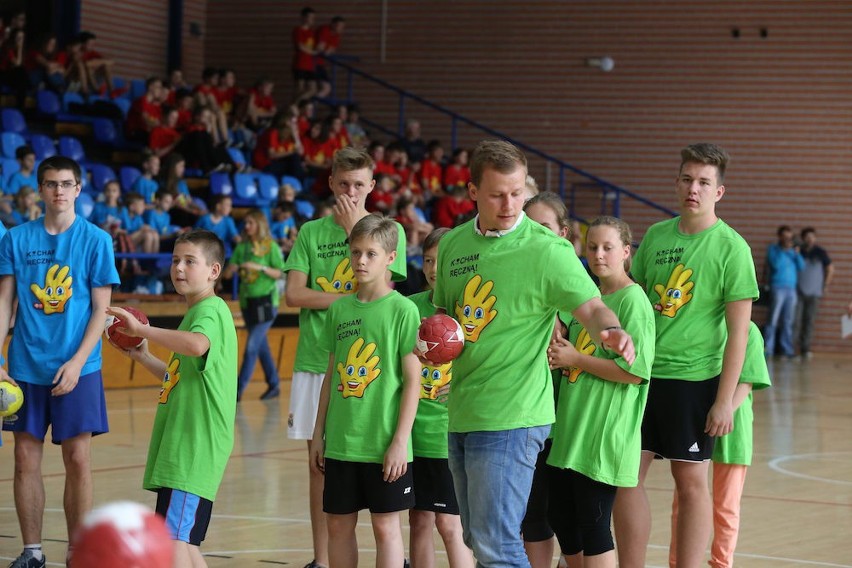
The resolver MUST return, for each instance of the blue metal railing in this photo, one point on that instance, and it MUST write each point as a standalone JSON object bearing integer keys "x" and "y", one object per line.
{"x": 611, "y": 194}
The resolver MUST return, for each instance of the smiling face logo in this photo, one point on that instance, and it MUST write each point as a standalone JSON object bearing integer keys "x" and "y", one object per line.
{"x": 360, "y": 370}
{"x": 676, "y": 293}
{"x": 170, "y": 379}
{"x": 584, "y": 345}
{"x": 478, "y": 309}
{"x": 342, "y": 281}
{"x": 433, "y": 378}
{"x": 56, "y": 291}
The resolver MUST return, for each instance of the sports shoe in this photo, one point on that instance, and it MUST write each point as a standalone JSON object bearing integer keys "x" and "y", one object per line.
{"x": 274, "y": 392}
{"x": 27, "y": 560}
{"x": 313, "y": 564}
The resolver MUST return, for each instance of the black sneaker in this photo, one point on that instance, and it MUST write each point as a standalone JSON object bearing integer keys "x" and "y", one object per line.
{"x": 313, "y": 564}
{"x": 27, "y": 560}
{"x": 274, "y": 392}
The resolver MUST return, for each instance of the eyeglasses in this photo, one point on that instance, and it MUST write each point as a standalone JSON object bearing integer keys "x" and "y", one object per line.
{"x": 68, "y": 184}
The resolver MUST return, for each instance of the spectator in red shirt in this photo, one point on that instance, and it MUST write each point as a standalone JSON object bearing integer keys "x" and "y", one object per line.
{"x": 353, "y": 126}
{"x": 261, "y": 105}
{"x": 99, "y": 67}
{"x": 377, "y": 152}
{"x": 454, "y": 208}
{"x": 205, "y": 95}
{"x": 383, "y": 197}
{"x": 328, "y": 42}
{"x": 165, "y": 137}
{"x": 457, "y": 174}
{"x": 176, "y": 83}
{"x": 146, "y": 112}
{"x": 337, "y": 135}
{"x": 305, "y": 115}
{"x": 304, "y": 50}
{"x": 226, "y": 92}
{"x": 12, "y": 70}
{"x": 432, "y": 170}
{"x": 416, "y": 227}
{"x": 279, "y": 150}
{"x": 44, "y": 67}
{"x": 201, "y": 146}
{"x": 76, "y": 73}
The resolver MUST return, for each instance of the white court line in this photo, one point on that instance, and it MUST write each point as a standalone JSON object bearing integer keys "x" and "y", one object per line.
{"x": 776, "y": 466}
{"x": 795, "y": 561}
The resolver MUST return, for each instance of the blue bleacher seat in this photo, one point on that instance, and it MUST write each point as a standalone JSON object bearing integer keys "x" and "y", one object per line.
{"x": 245, "y": 191}
{"x": 43, "y": 146}
{"x": 104, "y": 131}
{"x": 8, "y": 167}
{"x": 267, "y": 187}
{"x": 127, "y": 175}
{"x": 101, "y": 174}
{"x": 13, "y": 121}
{"x": 237, "y": 157}
{"x": 11, "y": 141}
{"x": 123, "y": 104}
{"x": 137, "y": 88}
{"x": 304, "y": 209}
{"x": 47, "y": 103}
{"x": 72, "y": 98}
{"x": 85, "y": 205}
{"x": 293, "y": 182}
{"x": 220, "y": 184}
{"x": 71, "y": 147}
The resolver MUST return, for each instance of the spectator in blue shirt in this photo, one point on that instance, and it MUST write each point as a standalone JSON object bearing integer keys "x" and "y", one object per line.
{"x": 26, "y": 176}
{"x": 146, "y": 185}
{"x": 783, "y": 262}
{"x": 219, "y": 221}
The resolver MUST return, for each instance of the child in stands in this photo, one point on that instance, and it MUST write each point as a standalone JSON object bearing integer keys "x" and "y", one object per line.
{"x": 457, "y": 174}
{"x": 219, "y": 221}
{"x": 146, "y": 185}
{"x": 26, "y": 175}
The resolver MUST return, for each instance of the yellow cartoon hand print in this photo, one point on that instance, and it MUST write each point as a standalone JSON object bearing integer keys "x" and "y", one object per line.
{"x": 676, "y": 293}
{"x": 56, "y": 292}
{"x": 170, "y": 379}
{"x": 478, "y": 309}
{"x": 433, "y": 378}
{"x": 342, "y": 281}
{"x": 360, "y": 370}
{"x": 584, "y": 345}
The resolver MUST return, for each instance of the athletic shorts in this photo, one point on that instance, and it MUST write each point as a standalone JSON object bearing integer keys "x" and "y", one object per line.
{"x": 580, "y": 512}
{"x": 303, "y": 75}
{"x": 433, "y": 486}
{"x": 352, "y": 486}
{"x": 321, "y": 73}
{"x": 675, "y": 417}
{"x": 304, "y": 401}
{"x": 187, "y": 516}
{"x": 535, "y": 526}
{"x": 81, "y": 411}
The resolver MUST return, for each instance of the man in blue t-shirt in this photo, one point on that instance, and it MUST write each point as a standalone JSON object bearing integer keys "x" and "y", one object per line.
{"x": 61, "y": 269}
{"x": 783, "y": 263}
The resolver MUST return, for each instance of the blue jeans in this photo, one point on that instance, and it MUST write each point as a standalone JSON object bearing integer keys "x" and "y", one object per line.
{"x": 257, "y": 345}
{"x": 492, "y": 474}
{"x": 782, "y": 311}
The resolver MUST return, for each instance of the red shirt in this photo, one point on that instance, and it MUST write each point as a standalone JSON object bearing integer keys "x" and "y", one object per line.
{"x": 339, "y": 139}
{"x": 385, "y": 168}
{"x": 379, "y": 200}
{"x": 430, "y": 175}
{"x": 266, "y": 102}
{"x": 225, "y": 97}
{"x": 267, "y": 141}
{"x": 456, "y": 175}
{"x": 303, "y": 38}
{"x": 92, "y": 54}
{"x": 448, "y": 211}
{"x": 143, "y": 115}
{"x": 318, "y": 152}
{"x": 184, "y": 119}
{"x": 328, "y": 39}
{"x": 162, "y": 137}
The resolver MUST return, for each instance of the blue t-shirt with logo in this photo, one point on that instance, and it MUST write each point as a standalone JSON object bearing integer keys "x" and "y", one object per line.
{"x": 160, "y": 221}
{"x": 145, "y": 187}
{"x": 54, "y": 278}
{"x": 225, "y": 228}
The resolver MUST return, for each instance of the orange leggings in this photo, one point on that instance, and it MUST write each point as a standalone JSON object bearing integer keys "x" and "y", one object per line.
{"x": 728, "y": 483}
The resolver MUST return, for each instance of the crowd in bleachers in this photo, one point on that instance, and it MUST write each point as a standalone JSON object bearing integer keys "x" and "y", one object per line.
{"x": 236, "y": 147}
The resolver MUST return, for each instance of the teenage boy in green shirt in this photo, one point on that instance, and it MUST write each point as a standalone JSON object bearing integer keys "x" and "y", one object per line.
{"x": 193, "y": 432}
{"x": 699, "y": 276}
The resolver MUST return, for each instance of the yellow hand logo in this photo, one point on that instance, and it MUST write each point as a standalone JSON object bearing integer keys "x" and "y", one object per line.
{"x": 170, "y": 379}
{"x": 584, "y": 345}
{"x": 342, "y": 281}
{"x": 676, "y": 293}
{"x": 477, "y": 311}
{"x": 56, "y": 292}
{"x": 360, "y": 370}
{"x": 433, "y": 378}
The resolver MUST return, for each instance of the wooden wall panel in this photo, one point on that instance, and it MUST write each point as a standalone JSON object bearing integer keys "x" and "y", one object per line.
{"x": 194, "y": 12}
{"x": 779, "y": 104}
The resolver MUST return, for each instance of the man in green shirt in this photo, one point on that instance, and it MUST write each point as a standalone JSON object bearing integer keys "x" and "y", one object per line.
{"x": 504, "y": 276}
{"x": 699, "y": 276}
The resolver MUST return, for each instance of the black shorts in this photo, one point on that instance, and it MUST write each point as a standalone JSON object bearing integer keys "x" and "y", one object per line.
{"x": 433, "y": 486}
{"x": 187, "y": 515}
{"x": 302, "y": 75}
{"x": 580, "y": 512}
{"x": 321, "y": 73}
{"x": 535, "y": 526}
{"x": 352, "y": 486}
{"x": 675, "y": 417}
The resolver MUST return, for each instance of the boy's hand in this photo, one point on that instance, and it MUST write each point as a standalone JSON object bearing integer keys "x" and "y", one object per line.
{"x": 66, "y": 378}
{"x": 5, "y": 378}
{"x": 396, "y": 462}
{"x": 317, "y": 458}
{"x": 346, "y": 213}
{"x": 129, "y": 324}
{"x": 137, "y": 353}
{"x": 720, "y": 419}
{"x": 619, "y": 342}
{"x": 561, "y": 353}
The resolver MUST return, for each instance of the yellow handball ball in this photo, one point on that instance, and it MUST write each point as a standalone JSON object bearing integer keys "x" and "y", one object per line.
{"x": 11, "y": 399}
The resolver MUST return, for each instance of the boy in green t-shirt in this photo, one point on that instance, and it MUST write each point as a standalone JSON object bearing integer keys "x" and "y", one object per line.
{"x": 361, "y": 441}
{"x": 191, "y": 442}
{"x": 699, "y": 276}
{"x": 319, "y": 272}
{"x": 435, "y": 504}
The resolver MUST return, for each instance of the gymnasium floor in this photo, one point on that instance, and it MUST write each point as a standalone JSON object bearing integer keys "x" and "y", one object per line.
{"x": 797, "y": 508}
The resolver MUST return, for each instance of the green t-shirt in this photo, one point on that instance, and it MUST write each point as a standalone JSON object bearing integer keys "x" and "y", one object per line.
{"x": 322, "y": 253}
{"x": 599, "y": 422}
{"x": 737, "y": 447}
{"x": 689, "y": 279}
{"x": 505, "y": 291}
{"x": 194, "y": 427}
{"x": 368, "y": 341}
{"x": 429, "y": 434}
{"x": 255, "y": 283}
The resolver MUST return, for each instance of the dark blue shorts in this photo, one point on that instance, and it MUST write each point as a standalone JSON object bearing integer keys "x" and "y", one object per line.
{"x": 187, "y": 515}
{"x": 81, "y": 411}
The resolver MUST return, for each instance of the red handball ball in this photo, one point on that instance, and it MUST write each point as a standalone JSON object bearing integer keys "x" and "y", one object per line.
{"x": 123, "y": 535}
{"x": 118, "y": 338}
{"x": 440, "y": 339}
